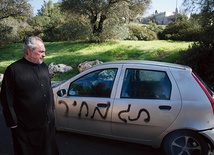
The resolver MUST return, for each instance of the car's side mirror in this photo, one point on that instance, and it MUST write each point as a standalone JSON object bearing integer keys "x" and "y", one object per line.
{"x": 61, "y": 92}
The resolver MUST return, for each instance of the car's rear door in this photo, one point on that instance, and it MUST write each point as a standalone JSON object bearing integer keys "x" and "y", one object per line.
{"x": 146, "y": 103}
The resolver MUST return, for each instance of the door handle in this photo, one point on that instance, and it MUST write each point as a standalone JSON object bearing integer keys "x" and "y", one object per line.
{"x": 165, "y": 107}
{"x": 103, "y": 105}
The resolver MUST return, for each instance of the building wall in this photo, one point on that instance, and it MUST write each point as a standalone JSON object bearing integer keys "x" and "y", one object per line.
{"x": 163, "y": 18}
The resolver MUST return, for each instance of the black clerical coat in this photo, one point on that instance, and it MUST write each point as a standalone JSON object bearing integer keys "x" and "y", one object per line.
{"x": 26, "y": 95}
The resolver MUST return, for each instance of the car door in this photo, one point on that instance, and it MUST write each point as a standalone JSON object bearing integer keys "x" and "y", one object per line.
{"x": 146, "y": 103}
{"x": 88, "y": 104}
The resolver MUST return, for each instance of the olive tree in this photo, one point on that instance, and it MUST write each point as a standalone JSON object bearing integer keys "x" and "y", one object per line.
{"x": 14, "y": 8}
{"x": 12, "y": 15}
{"x": 98, "y": 11}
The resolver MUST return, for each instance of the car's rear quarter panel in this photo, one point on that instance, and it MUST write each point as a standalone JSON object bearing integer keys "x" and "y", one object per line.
{"x": 196, "y": 112}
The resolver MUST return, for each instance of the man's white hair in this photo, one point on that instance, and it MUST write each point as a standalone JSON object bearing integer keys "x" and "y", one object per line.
{"x": 30, "y": 43}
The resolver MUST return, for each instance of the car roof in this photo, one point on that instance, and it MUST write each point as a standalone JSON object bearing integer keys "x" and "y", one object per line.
{"x": 145, "y": 62}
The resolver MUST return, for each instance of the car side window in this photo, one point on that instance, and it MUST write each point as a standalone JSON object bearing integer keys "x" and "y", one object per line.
{"x": 95, "y": 84}
{"x": 146, "y": 84}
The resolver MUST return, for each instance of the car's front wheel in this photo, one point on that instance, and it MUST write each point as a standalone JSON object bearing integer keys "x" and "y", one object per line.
{"x": 185, "y": 143}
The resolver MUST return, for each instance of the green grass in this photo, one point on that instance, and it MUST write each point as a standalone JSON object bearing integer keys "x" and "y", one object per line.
{"x": 73, "y": 53}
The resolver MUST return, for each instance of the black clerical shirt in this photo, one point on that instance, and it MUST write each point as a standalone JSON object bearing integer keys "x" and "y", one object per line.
{"x": 26, "y": 95}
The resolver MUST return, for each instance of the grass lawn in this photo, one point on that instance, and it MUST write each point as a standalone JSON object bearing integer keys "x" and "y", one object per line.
{"x": 73, "y": 53}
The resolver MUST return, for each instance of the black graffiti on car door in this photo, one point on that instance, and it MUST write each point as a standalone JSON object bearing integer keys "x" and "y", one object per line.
{"x": 134, "y": 119}
{"x": 138, "y": 116}
{"x": 66, "y": 105}
{"x": 107, "y": 106}
{"x": 101, "y": 105}
{"x": 84, "y": 104}
{"x": 124, "y": 111}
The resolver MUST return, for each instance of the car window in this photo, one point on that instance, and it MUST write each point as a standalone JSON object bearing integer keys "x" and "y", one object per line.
{"x": 95, "y": 84}
{"x": 146, "y": 84}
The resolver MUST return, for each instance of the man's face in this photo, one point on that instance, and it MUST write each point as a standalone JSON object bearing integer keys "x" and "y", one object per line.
{"x": 36, "y": 56}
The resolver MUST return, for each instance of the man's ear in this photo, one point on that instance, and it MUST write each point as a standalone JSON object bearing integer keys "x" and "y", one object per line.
{"x": 28, "y": 50}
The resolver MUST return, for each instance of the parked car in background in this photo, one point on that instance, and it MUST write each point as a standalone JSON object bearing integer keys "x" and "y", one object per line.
{"x": 147, "y": 102}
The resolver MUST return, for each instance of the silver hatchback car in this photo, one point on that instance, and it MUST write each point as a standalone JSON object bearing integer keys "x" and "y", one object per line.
{"x": 147, "y": 102}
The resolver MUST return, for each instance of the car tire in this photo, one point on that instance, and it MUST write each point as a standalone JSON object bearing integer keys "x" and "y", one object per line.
{"x": 185, "y": 143}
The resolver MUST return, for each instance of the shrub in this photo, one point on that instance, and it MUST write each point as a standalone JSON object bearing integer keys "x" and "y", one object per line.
{"x": 138, "y": 32}
{"x": 68, "y": 31}
{"x": 112, "y": 30}
{"x": 201, "y": 60}
{"x": 9, "y": 29}
{"x": 154, "y": 27}
{"x": 182, "y": 31}
{"x": 115, "y": 32}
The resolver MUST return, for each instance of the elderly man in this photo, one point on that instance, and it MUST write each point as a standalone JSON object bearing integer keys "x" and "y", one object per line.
{"x": 27, "y": 101}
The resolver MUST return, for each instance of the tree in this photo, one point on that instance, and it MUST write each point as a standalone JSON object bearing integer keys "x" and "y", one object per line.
{"x": 12, "y": 14}
{"x": 51, "y": 24}
{"x": 48, "y": 18}
{"x": 206, "y": 8}
{"x": 200, "y": 56}
{"x": 14, "y": 8}
{"x": 98, "y": 11}
{"x": 197, "y": 5}
{"x": 47, "y": 9}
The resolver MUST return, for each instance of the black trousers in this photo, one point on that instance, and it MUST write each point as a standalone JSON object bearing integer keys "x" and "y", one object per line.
{"x": 35, "y": 142}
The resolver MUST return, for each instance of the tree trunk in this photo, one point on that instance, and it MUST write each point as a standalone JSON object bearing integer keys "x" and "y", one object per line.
{"x": 98, "y": 28}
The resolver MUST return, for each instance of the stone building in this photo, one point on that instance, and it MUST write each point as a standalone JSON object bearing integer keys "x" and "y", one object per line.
{"x": 162, "y": 18}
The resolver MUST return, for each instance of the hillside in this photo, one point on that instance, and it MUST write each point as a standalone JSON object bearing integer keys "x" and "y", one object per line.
{"x": 73, "y": 53}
